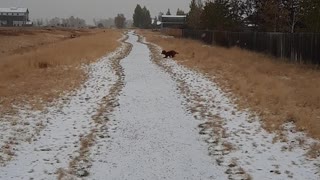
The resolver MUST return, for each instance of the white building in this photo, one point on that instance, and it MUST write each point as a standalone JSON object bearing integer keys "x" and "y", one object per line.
{"x": 14, "y": 16}
{"x": 173, "y": 21}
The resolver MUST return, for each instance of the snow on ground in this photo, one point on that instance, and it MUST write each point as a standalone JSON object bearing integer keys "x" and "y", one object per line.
{"x": 64, "y": 125}
{"x": 236, "y": 139}
{"x": 152, "y": 135}
{"x": 169, "y": 122}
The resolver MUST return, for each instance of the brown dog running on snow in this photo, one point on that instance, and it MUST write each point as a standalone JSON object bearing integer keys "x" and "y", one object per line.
{"x": 169, "y": 53}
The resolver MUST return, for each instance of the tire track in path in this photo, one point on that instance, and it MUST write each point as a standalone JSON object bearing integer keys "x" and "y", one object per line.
{"x": 80, "y": 165}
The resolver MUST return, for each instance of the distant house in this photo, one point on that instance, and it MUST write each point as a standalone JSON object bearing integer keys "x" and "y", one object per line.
{"x": 14, "y": 17}
{"x": 173, "y": 21}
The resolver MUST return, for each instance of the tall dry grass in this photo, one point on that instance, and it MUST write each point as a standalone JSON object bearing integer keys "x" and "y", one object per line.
{"x": 45, "y": 72}
{"x": 21, "y": 40}
{"x": 278, "y": 91}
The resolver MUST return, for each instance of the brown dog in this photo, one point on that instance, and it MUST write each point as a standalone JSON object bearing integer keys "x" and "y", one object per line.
{"x": 169, "y": 53}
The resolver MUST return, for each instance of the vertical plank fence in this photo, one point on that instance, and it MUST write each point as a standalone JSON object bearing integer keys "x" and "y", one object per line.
{"x": 296, "y": 47}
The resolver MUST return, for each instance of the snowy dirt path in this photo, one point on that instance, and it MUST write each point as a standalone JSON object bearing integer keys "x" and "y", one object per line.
{"x": 152, "y": 135}
{"x": 140, "y": 116}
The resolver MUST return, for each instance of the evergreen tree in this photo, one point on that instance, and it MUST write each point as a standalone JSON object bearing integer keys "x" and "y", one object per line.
{"x": 137, "y": 16}
{"x": 217, "y": 15}
{"x": 141, "y": 17}
{"x": 168, "y": 12}
{"x": 194, "y": 14}
{"x": 180, "y": 12}
{"x": 311, "y": 16}
{"x": 264, "y": 15}
{"x": 146, "y": 18}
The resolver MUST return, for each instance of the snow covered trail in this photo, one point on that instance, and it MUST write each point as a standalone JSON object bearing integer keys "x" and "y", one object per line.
{"x": 152, "y": 135}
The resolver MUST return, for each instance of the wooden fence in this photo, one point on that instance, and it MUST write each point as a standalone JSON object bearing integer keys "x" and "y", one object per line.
{"x": 172, "y": 32}
{"x": 296, "y": 47}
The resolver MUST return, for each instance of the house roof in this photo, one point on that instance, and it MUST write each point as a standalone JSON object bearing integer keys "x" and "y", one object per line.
{"x": 14, "y": 10}
{"x": 175, "y": 16}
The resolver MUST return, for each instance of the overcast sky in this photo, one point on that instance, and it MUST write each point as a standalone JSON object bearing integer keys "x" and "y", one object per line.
{"x": 89, "y": 9}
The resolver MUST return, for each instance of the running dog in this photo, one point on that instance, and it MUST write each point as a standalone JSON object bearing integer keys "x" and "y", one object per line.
{"x": 170, "y": 54}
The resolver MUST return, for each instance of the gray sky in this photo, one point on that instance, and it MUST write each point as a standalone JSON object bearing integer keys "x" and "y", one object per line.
{"x": 89, "y": 9}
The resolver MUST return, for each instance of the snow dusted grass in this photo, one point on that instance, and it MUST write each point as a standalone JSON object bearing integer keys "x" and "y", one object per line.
{"x": 65, "y": 126}
{"x": 236, "y": 138}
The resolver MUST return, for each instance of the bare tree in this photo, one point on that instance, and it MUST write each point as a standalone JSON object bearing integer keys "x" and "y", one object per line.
{"x": 55, "y": 21}
{"x": 120, "y": 21}
{"x": 295, "y": 12}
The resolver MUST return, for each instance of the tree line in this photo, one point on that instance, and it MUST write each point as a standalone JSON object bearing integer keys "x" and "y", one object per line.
{"x": 119, "y": 22}
{"x": 104, "y": 23}
{"x": 61, "y": 22}
{"x": 74, "y": 22}
{"x": 259, "y": 15}
{"x": 141, "y": 17}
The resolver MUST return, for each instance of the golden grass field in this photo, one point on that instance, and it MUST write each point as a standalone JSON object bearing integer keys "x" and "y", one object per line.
{"x": 38, "y": 65}
{"x": 277, "y": 91}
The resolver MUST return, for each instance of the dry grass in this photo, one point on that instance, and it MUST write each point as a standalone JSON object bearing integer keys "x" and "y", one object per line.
{"x": 21, "y": 40}
{"x": 45, "y": 72}
{"x": 278, "y": 91}
{"x": 314, "y": 151}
